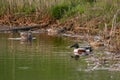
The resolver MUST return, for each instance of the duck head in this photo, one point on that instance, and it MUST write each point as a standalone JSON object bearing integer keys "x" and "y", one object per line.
{"x": 89, "y": 49}
{"x": 76, "y": 45}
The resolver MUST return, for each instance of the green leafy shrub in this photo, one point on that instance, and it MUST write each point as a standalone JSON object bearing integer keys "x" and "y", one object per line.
{"x": 58, "y": 11}
{"x": 90, "y": 1}
{"x": 81, "y": 9}
{"x": 77, "y": 9}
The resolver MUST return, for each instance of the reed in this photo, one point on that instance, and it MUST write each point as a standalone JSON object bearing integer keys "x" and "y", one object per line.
{"x": 111, "y": 35}
{"x": 99, "y": 7}
{"x": 14, "y": 6}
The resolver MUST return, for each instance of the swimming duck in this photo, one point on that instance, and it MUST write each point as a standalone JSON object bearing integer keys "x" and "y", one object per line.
{"x": 23, "y": 36}
{"x": 26, "y": 36}
{"x": 78, "y": 51}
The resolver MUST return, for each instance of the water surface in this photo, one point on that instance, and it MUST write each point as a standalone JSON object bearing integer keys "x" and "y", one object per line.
{"x": 46, "y": 58}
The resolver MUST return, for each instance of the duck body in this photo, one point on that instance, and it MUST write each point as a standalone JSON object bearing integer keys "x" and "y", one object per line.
{"x": 26, "y": 36}
{"x": 80, "y": 51}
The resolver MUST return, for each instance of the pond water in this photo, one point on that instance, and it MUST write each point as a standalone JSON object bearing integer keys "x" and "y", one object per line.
{"x": 46, "y": 58}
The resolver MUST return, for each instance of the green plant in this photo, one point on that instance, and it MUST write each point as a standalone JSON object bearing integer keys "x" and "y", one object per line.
{"x": 58, "y": 11}
{"x": 90, "y": 1}
{"x": 28, "y": 9}
{"x": 77, "y": 9}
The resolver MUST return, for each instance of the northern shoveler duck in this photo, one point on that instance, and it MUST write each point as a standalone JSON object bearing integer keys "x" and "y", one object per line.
{"x": 78, "y": 51}
{"x": 26, "y": 36}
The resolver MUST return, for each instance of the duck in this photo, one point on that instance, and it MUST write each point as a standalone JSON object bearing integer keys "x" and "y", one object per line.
{"x": 23, "y": 36}
{"x": 52, "y": 31}
{"x": 79, "y": 51}
{"x": 26, "y": 36}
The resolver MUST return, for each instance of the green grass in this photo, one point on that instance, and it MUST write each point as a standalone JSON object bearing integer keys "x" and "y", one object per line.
{"x": 63, "y": 9}
{"x": 58, "y": 11}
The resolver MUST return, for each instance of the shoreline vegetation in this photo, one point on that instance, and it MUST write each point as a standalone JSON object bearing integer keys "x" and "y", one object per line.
{"x": 91, "y": 17}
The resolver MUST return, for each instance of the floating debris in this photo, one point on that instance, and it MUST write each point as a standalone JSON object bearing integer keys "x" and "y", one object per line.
{"x": 18, "y": 38}
{"x": 105, "y": 62}
{"x": 73, "y": 35}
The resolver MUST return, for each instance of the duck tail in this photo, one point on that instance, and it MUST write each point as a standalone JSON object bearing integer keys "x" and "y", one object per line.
{"x": 89, "y": 48}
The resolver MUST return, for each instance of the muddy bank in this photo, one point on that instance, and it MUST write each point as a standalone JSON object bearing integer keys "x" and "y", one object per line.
{"x": 72, "y": 25}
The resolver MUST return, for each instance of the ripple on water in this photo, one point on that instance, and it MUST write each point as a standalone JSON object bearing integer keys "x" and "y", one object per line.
{"x": 24, "y": 68}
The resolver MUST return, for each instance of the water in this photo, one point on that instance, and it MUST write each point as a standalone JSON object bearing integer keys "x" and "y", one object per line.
{"x": 46, "y": 58}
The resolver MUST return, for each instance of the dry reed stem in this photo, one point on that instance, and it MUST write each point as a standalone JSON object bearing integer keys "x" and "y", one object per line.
{"x": 113, "y": 29}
